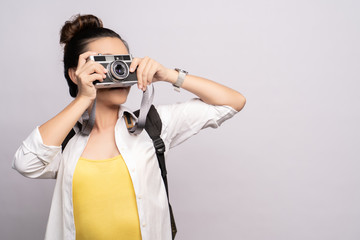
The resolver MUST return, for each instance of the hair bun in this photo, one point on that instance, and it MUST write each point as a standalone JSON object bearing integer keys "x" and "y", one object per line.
{"x": 76, "y": 24}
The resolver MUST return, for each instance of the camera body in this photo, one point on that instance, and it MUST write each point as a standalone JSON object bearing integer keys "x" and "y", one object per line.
{"x": 118, "y": 74}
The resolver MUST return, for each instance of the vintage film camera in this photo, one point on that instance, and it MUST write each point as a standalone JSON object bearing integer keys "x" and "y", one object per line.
{"x": 118, "y": 74}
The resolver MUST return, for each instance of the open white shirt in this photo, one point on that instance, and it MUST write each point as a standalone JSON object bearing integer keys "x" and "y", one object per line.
{"x": 180, "y": 121}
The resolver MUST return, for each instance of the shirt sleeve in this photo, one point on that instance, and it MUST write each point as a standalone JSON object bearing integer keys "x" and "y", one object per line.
{"x": 34, "y": 159}
{"x": 183, "y": 120}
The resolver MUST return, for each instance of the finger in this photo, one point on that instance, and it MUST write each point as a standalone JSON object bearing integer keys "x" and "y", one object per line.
{"x": 152, "y": 72}
{"x": 140, "y": 71}
{"x": 95, "y": 76}
{"x": 135, "y": 62}
{"x": 88, "y": 81}
{"x": 145, "y": 73}
{"x": 83, "y": 58}
{"x": 86, "y": 78}
{"x": 92, "y": 67}
{"x": 133, "y": 66}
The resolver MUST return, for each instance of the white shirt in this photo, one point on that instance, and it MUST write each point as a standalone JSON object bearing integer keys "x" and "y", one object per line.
{"x": 180, "y": 121}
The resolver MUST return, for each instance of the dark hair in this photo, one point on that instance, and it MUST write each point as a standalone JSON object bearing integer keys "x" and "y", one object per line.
{"x": 76, "y": 34}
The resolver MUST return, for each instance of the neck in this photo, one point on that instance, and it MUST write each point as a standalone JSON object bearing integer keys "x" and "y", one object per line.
{"x": 105, "y": 116}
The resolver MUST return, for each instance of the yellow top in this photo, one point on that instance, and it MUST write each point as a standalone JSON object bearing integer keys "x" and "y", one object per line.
{"x": 104, "y": 200}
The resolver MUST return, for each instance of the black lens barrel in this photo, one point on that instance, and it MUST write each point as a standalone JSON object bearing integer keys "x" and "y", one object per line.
{"x": 119, "y": 70}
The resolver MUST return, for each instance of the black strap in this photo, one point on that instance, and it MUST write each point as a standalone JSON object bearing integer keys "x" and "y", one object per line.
{"x": 70, "y": 135}
{"x": 153, "y": 127}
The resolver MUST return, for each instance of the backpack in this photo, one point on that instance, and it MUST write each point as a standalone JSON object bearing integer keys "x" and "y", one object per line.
{"x": 153, "y": 126}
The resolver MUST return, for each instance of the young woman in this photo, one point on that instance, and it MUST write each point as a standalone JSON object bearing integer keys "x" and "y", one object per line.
{"x": 108, "y": 183}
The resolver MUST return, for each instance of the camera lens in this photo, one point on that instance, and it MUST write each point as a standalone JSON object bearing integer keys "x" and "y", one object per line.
{"x": 119, "y": 70}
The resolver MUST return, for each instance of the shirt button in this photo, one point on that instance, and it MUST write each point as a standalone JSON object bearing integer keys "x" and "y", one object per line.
{"x": 132, "y": 170}
{"x": 139, "y": 196}
{"x": 122, "y": 149}
{"x": 144, "y": 224}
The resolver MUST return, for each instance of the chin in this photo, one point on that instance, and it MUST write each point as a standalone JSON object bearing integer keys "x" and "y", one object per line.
{"x": 113, "y": 96}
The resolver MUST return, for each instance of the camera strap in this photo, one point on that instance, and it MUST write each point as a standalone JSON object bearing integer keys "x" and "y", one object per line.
{"x": 146, "y": 102}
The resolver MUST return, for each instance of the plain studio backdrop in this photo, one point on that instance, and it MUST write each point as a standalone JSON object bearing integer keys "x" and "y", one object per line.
{"x": 285, "y": 167}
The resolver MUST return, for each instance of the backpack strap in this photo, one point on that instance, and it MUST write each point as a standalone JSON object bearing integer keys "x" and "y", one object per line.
{"x": 153, "y": 127}
{"x": 70, "y": 135}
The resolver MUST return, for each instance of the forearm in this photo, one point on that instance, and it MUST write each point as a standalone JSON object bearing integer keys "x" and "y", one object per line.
{"x": 54, "y": 131}
{"x": 210, "y": 91}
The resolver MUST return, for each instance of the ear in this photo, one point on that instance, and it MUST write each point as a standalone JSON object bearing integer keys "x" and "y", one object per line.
{"x": 71, "y": 72}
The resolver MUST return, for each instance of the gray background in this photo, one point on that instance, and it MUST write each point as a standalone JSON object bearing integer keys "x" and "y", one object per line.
{"x": 286, "y": 167}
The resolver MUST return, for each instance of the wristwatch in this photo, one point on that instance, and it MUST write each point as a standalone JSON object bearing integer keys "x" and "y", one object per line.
{"x": 180, "y": 79}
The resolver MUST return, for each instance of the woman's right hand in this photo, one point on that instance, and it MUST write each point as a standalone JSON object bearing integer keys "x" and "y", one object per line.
{"x": 54, "y": 131}
{"x": 86, "y": 73}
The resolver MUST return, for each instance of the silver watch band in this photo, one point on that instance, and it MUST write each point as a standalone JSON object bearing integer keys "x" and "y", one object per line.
{"x": 180, "y": 79}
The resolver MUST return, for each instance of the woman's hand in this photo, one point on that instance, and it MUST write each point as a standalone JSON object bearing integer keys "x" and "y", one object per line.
{"x": 85, "y": 74}
{"x": 148, "y": 71}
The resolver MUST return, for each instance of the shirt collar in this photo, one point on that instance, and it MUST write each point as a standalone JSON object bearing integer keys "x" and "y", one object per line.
{"x": 124, "y": 109}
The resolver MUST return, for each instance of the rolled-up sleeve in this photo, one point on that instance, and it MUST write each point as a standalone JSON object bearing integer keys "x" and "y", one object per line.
{"x": 34, "y": 159}
{"x": 183, "y": 120}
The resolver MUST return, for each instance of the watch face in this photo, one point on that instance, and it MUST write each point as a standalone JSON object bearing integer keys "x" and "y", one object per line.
{"x": 180, "y": 70}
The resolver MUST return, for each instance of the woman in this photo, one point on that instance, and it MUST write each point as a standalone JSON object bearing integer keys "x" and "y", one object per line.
{"x": 108, "y": 184}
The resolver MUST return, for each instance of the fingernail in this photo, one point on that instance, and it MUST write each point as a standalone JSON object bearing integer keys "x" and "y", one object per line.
{"x": 131, "y": 69}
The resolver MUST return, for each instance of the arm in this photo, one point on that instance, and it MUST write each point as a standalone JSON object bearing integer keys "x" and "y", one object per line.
{"x": 40, "y": 154}
{"x": 148, "y": 71}
{"x": 54, "y": 131}
{"x": 210, "y": 92}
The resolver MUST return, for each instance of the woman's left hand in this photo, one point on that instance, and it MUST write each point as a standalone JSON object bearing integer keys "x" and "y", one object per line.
{"x": 148, "y": 71}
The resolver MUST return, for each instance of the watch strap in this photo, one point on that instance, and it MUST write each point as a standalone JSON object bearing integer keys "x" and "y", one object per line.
{"x": 180, "y": 79}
